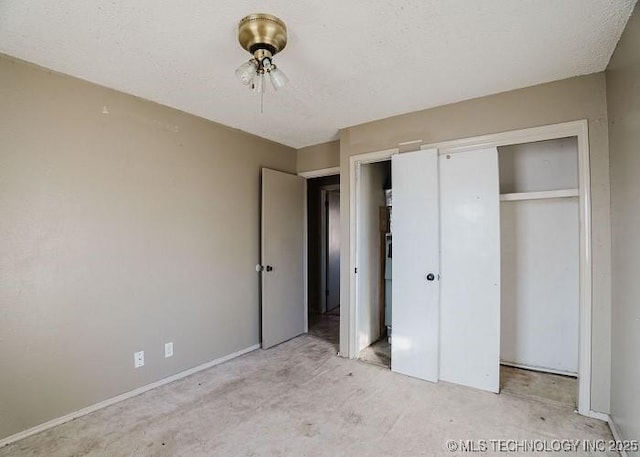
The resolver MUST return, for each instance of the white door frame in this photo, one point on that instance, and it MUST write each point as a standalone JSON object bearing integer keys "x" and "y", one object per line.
{"x": 578, "y": 129}
{"x": 309, "y": 175}
{"x": 321, "y": 173}
{"x": 354, "y": 196}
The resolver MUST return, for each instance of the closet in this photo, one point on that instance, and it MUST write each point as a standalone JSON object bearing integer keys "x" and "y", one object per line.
{"x": 540, "y": 255}
{"x": 485, "y": 261}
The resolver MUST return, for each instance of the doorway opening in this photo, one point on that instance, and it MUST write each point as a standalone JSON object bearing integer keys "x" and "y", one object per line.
{"x": 540, "y": 269}
{"x": 323, "y": 247}
{"x": 375, "y": 252}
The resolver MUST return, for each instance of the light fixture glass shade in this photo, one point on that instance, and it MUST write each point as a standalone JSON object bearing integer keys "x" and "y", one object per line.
{"x": 258, "y": 83}
{"x": 246, "y": 72}
{"x": 278, "y": 78}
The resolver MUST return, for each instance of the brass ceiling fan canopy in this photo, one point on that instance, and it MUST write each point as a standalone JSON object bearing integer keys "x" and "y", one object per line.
{"x": 263, "y": 35}
{"x": 262, "y": 31}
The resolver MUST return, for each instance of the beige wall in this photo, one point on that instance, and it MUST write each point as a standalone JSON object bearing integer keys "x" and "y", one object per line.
{"x": 623, "y": 96}
{"x": 318, "y": 157}
{"x": 120, "y": 230}
{"x": 560, "y": 101}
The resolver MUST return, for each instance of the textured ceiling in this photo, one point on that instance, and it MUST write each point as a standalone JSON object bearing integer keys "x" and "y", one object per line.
{"x": 349, "y": 62}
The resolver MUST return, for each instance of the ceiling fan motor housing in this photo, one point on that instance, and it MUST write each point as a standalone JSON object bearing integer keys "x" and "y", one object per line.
{"x": 262, "y": 32}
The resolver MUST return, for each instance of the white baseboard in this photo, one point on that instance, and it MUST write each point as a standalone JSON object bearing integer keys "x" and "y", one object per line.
{"x": 612, "y": 426}
{"x": 598, "y": 415}
{"x": 140, "y": 390}
{"x": 616, "y": 435}
{"x": 540, "y": 369}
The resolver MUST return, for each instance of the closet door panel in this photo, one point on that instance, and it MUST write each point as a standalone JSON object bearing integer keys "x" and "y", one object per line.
{"x": 415, "y": 250}
{"x": 470, "y": 266}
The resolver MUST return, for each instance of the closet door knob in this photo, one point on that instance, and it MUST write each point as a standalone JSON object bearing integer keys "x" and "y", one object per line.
{"x": 430, "y": 277}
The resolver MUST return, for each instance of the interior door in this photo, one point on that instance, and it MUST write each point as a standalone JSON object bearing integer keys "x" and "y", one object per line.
{"x": 333, "y": 250}
{"x": 283, "y": 305}
{"x": 415, "y": 276}
{"x": 470, "y": 267}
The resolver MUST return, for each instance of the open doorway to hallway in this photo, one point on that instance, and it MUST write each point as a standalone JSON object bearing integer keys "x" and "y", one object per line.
{"x": 323, "y": 213}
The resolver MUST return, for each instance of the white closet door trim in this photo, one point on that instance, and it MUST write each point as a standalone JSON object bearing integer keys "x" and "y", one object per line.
{"x": 586, "y": 291}
{"x": 530, "y": 135}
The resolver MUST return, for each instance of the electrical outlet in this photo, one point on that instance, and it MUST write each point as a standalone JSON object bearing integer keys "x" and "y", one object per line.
{"x": 138, "y": 359}
{"x": 168, "y": 350}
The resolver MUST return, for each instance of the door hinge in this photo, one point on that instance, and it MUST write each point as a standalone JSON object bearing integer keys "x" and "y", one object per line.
{"x": 355, "y": 270}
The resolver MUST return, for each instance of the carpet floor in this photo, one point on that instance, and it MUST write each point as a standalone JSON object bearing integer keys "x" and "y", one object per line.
{"x": 300, "y": 399}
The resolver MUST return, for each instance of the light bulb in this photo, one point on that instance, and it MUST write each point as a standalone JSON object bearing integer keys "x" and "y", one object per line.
{"x": 258, "y": 83}
{"x": 278, "y": 78}
{"x": 247, "y": 71}
{"x": 267, "y": 64}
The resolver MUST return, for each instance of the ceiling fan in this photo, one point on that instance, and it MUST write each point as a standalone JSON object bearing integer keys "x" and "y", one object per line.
{"x": 263, "y": 36}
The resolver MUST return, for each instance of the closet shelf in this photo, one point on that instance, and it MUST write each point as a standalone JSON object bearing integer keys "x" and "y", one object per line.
{"x": 562, "y": 193}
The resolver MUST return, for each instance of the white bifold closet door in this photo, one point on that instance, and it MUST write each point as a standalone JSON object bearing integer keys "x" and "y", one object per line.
{"x": 416, "y": 246}
{"x": 470, "y": 269}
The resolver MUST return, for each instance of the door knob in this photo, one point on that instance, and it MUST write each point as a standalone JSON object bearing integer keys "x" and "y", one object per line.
{"x": 269, "y": 268}
{"x": 430, "y": 276}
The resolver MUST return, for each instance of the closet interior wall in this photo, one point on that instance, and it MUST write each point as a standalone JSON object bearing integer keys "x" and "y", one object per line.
{"x": 540, "y": 255}
{"x": 370, "y": 199}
